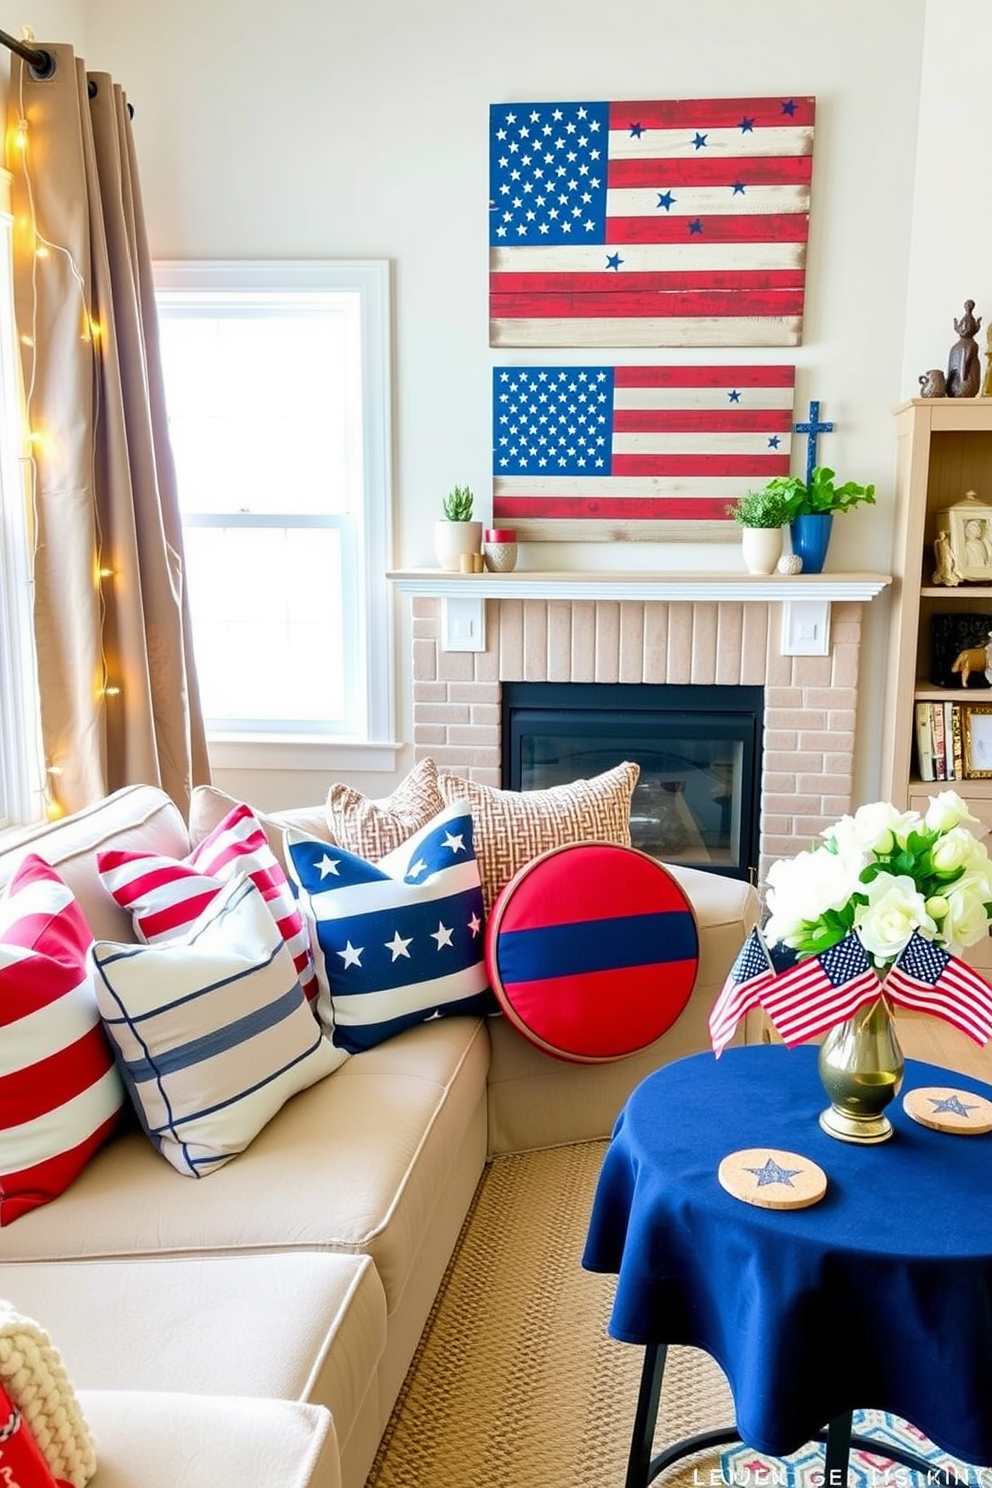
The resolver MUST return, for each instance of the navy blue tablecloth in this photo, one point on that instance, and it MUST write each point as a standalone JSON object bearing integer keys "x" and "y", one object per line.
{"x": 879, "y": 1297}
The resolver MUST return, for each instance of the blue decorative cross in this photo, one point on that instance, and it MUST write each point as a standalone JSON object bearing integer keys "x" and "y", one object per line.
{"x": 811, "y": 428}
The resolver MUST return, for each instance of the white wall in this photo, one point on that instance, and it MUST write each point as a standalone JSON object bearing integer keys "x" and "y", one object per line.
{"x": 308, "y": 129}
{"x": 950, "y": 258}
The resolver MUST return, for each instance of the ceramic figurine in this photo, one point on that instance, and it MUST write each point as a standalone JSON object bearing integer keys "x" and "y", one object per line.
{"x": 946, "y": 571}
{"x": 933, "y": 384}
{"x": 964, "y": 373}
{"x": 974, "y": 659}
{"x": 987, "y": 384}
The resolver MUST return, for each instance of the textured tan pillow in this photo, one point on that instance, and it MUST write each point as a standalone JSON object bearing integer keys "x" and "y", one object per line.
{"x": 374, "y": 827}
{"x": 511, "y": 827}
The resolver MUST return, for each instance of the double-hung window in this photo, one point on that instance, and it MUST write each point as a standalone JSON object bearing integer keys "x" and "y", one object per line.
{"x": 277, "y": 389}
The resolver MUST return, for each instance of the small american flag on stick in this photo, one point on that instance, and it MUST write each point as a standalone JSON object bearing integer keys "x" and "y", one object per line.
{"x": 679, "y": 223}
{"x": 749, "y": 977}
{"x": 931, "y": 980}
{"x": 578, "y": 451}
{"x": 822, "y": 990}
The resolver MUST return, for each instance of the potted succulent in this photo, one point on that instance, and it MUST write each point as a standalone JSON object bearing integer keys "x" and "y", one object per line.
{"x": 813, "y": 504}
{"x": 761, "y": 515}
{"x": 456, "y": 533}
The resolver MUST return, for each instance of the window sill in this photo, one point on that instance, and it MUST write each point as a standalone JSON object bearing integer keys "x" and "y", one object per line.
{"x": 302, "y": 752}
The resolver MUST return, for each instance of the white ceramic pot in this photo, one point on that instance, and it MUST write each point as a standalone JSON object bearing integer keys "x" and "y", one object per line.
{"x": 762, "y": 548}
{"x": 452, "y": 539}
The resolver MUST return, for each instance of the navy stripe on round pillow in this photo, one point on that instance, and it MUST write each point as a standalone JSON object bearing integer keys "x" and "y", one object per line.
{"x": 592, "y": 951}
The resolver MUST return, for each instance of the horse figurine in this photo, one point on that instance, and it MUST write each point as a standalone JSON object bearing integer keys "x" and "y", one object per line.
{"x": 974, "y": 659}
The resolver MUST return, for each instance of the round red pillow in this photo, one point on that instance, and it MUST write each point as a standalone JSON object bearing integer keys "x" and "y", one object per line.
{"x": 592, "y": 951}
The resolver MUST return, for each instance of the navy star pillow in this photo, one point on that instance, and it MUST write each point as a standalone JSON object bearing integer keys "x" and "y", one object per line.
{"x": 398, "y": 941}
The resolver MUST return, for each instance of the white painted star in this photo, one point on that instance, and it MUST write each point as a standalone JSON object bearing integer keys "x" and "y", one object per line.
{"x": 328, "y": 865}
{"x": 398, "y": 945}
{"x": 350, "y": 956}
{"x": 442, "y": 935}
{"x": 475, "y": 925}
{"x": 416, "y": 869}
{"x": 455, "y": 841}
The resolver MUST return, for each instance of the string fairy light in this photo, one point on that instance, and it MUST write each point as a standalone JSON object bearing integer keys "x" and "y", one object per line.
{"x": 40, "y": 252}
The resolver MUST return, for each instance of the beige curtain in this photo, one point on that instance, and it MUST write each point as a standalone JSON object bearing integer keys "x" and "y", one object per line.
{"x": 119, "y": 696}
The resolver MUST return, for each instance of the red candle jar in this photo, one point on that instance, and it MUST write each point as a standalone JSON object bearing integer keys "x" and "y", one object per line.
{"x": 499, "y": 545}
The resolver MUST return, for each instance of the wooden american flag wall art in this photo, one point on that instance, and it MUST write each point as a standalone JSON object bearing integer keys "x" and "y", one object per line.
{"x": 678, "y": 223}
{"x": 633, "y": 453}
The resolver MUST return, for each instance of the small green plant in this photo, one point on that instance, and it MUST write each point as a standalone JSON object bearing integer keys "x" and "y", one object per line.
{"x": 822, "y": 494}
{"x": 765, "y": 508}
{"x": 458, "y": 504}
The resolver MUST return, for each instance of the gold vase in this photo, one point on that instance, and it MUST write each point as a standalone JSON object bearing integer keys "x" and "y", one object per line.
{"x": 861, "y": 1067}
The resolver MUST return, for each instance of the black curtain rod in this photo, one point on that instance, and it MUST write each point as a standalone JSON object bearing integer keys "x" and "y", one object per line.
{"x": 42, "y": 63}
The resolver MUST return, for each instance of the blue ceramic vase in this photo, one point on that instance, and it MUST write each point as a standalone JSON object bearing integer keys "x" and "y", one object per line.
{"x": 811, "y": 538}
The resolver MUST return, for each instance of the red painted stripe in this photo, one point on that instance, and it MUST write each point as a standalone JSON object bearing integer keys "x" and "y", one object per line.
{"x": 663, "y": 171}
{"x": 54, "y": 1078}
{"x": 728, "y": 376}
{"x": 671, "y": 227}
{"x": 759, "y": 466}
{"x": 733, "y": 419}
{"x": 713, "y": 113}
{"x": 717, "y": 304}
{"x": 613, "y": 508}
{"x": 610, "y": 281}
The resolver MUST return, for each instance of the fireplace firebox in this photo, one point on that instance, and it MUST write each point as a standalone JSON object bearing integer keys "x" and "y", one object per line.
{"x": 699, "y": 749}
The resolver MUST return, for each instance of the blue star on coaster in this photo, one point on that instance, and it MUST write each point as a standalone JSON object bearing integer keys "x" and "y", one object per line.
{"x": 945, "y": 1109}
{"x": 772, "y": 1173}
{"x": 772, "y": 1179}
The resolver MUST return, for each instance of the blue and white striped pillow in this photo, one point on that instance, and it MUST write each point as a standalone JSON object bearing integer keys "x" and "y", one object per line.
{"x": 212, "y": 1031}
{"x": 399, "y": 941}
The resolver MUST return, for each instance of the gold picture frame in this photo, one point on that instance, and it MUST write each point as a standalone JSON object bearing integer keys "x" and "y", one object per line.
{"x": 976, "y": 740}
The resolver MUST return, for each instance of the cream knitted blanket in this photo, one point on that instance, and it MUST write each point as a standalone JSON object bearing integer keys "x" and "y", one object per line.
{"x": 33, "y": 1375}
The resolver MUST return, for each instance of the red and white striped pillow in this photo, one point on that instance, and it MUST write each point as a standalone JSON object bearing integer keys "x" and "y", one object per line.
{"x": 165, "y": 896}
{"x": 60, "y": 1092}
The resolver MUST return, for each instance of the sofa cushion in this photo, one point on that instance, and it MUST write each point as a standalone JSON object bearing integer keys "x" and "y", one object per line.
{"x": 592, "y": 951}
{"x": 359, "y": 1162}
{"x": 213, "y": 1032}
{"x": 60, "y": 1094}
{"x": 317, "y": 1325}
{"x": 511, "y": 827}
{"x": 399, "y": 941}
{"x": 373, "y": 827}
{"x": 162, "y": 1440}
{"x": 165, "y": 895}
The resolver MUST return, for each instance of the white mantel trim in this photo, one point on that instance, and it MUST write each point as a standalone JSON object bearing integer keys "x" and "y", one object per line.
{"x": 439, "y": 584}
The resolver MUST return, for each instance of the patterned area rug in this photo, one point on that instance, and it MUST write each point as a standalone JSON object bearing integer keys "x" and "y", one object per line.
{"x": 516, "y": 1383}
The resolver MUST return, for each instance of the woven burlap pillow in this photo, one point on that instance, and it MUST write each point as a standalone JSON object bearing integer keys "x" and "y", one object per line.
{"x": 374, "y": 827}
{"x": 511, "y": 827}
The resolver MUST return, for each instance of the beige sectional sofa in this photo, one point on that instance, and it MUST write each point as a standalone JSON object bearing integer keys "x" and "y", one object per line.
{"x": 254, "y": 1327}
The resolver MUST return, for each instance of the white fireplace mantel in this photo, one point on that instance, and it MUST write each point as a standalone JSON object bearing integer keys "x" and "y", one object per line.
{"x": 805, "y": 598}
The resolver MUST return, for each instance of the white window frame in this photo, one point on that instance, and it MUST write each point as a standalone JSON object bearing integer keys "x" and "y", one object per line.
{"x": 375, "y": 748}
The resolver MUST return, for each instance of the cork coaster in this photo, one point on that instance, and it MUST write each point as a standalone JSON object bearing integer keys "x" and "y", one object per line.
{"x": 948, "y": 1110}
{"x": 772, "y": 1179}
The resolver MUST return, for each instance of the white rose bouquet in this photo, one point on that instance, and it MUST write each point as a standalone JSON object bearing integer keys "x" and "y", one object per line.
{"x": 885, "y": 874}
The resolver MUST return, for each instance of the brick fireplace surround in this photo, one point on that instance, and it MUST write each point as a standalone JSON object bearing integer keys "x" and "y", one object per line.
{"x": 810, "y": 701}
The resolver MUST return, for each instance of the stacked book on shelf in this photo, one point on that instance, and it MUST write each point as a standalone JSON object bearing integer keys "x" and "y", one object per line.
{"x": 939, "y": 747}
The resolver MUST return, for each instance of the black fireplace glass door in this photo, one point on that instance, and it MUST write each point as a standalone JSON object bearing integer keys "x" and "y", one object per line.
{"x": 696, "y": 797}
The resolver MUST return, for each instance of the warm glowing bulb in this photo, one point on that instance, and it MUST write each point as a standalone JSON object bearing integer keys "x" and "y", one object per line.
{"x": 54, "y": 770}
{"x": 21, "y": 134}
{"x": 106, "y": 573}
{"x": 95, "y": 330}
{"x": 111, "y": 692}
{"x": 27, "y": 340}
{"x": 54, "y": 810}
{"x": 40, "y": 251}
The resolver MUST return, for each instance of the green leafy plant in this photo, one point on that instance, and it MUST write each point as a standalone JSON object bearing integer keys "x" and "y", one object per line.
{"x": 458, "y": 504}
{"x": 821, "y": 495}
{"x": 765, "y": 508}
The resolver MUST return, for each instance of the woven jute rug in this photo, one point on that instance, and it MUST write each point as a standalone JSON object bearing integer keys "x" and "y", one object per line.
{"x": 516, "y": 1383}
